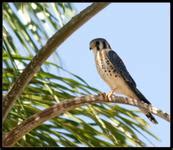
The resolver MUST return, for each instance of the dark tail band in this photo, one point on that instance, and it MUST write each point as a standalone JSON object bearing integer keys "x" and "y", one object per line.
{"x": 151, "y": 118}
{"x": 148, "y": 114}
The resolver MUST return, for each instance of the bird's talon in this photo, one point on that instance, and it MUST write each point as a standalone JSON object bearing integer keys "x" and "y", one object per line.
{"x": 109, "y": 96}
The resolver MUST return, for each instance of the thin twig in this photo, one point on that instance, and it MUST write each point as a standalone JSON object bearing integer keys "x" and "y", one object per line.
{"x": 56, "y": 40}
{"x": 34, "y": 121}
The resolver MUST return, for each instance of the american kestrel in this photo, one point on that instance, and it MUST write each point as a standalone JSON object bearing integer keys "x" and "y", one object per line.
{"x": 113, "y": 71}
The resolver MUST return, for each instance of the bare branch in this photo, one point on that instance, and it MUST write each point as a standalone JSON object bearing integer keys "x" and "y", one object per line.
{"x": 55, "y": 41}
{"x": 34, "y": 121}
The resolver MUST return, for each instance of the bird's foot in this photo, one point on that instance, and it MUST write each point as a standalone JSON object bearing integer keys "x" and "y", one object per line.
{"x": 102, "y": 94}
{"x": 109, "y": 95}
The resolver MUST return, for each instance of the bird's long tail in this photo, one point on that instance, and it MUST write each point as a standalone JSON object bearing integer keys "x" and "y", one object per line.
{"x": 148, "y": 114}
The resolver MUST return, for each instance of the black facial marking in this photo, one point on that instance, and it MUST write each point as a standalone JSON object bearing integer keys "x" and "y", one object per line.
{"x": 97, "y": 45}
{"x": 109, "y": 46}
{"x": 104, "y": 45}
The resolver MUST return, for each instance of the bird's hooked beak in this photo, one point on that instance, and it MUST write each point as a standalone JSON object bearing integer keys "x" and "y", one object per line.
{"x": 92, "y": 45}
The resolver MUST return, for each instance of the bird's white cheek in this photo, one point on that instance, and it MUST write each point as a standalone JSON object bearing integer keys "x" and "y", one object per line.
{"x": 94, "y": 51}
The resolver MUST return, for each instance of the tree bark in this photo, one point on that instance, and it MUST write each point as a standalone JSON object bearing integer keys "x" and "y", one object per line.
{"x": 34, "y": 121}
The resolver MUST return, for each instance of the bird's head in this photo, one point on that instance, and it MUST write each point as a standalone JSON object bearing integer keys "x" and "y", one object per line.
{"x": 99, "y": 44}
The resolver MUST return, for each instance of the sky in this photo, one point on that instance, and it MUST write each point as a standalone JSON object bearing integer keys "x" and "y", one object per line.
{"x": 140, "y": 34}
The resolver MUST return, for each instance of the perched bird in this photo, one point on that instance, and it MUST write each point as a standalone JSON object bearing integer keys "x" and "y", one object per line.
{"x": 113, "y": 71}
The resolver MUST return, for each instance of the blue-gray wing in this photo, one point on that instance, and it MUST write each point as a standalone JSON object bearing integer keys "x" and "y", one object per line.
{"x": 121, "y": 68}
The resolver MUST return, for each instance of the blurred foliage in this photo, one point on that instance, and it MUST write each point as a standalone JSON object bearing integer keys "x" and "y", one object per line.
{"x": 26, "y": 28}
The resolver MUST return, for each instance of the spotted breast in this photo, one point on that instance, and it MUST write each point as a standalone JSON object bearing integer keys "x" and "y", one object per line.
{"x": 110, "y": 75}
